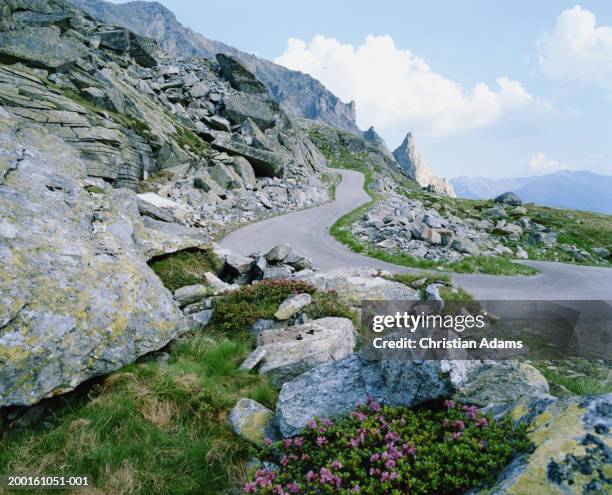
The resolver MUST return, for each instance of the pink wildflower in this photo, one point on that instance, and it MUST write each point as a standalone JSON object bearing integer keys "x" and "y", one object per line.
{"x": 449, "y": 404}
{"x": 267, "y": 442}
{"x": 321, "y": 441}
{"x": 482, "y": 422}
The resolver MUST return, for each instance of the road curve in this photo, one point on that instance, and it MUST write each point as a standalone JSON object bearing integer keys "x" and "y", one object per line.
{"x": 307, "y": 231}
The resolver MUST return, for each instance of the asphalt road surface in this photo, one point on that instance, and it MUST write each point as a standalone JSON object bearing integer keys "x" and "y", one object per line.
{"x": 307, "y": 231}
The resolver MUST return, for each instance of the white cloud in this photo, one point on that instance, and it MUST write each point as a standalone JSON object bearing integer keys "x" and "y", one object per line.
{"x": 396, "y": 91}
{"x": 577, "y": 49}
{"x": 540, "y": 164}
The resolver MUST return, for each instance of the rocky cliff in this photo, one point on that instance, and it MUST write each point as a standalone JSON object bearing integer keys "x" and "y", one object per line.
{"x": 111, "y": 155}
{"x": 413, "y": 165}
{"x": 297, "y": 93}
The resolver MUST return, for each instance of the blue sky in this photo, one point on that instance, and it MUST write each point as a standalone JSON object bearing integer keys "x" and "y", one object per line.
{"x": 486, "y": 91}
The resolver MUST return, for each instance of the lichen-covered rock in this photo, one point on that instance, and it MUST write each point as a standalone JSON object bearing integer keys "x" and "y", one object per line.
{"x": 361, "y": 284}
{"x": 292, "y": 305}
{"x": 296, "y": 349}
{"x": 335, "y": 389}
{"x": 572, "y": 451}
{"x": 253, "y": 422}
{"x": 78, "y": 299}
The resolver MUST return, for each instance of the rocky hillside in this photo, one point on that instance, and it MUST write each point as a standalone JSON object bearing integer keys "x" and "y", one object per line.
{"x": 298, "y": 94}
{"x": 112, "y": 155}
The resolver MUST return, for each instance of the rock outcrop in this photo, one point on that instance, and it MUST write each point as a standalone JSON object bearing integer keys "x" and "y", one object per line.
{"x": 413, "y": 165}
{"x": 298, "y": 93}
{"x": 78, "y": 299}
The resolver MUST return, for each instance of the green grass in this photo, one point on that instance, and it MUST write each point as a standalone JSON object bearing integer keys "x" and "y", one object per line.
{"x": 185, "y": 267}
{"x": 150, "y": 428}
{"x": 576, "y": 377}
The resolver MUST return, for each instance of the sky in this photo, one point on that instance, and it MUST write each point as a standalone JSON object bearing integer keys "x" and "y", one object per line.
{"x": 493, "y": 89}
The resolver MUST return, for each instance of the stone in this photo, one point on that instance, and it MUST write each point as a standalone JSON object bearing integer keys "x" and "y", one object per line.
{"x": 40, "y": 47}
{"x": 509, "y": 198}
{"x": 292, "y": 305}
{"x": 465, "y": 246}
{"x": 426, "y": 233}
{"x": 198, "y": 321}
{"x": 151, "y": 210}
{"x": 243, "y": 168}
{"x": 519, "y": 210}
{"x": 296, "y": 349}
{"x": 215, "y": 283}
{"x": 498, "y": 386}
{"x": 510, "y": 229}
{"x": 238, "y": 265}
{"x": 254, "y": 358}
{"x": 238, "y": 107}
{"x": 253, "y": 422}
{"x": 497, "y": 212}
{"x": 190, "y": 294}
{"x": 602, "y": 252}
{"x": 356, "y": 285}
{"x": 265, "y": 163}
{"x": 218, "y": 123}
{"x": 225, "y": 176}
{"x": 542, "y": 238}
{"x": 78, "y": 298}
{"x": 571, "y": 455}
{"x": 446, "y": 237}
{"x": 277, "y": 272}
{"x": 239, "y": 76}
{"x": 278, "y": 253}
{"x": 334, "y": 389}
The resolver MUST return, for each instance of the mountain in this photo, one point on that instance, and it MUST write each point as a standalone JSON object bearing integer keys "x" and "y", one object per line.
{"x": 410, "y": 161}
{"x": 579, "y": 190}
{"x": 298, "y": 93}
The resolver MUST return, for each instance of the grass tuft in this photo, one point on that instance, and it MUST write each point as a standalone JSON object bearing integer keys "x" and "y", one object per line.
{"x": 185, "y": 267}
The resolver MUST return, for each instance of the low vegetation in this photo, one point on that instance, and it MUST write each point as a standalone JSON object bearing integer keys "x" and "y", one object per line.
{"x": 160, "y": 425}
{"x": 392, "y": 450}
{"x": 238, "y": 310}
{"x": 185, "y": 267}
{"x": 577, "y": 376}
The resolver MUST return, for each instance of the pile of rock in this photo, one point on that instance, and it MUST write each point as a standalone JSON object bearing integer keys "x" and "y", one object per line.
{"x": 400, "y": 224}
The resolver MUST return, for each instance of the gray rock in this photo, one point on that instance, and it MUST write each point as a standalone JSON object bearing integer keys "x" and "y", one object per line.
{"x": 509, "y": 198}
{"x": 334, "y": 389}
{"x": 276, "y": 272}
{"x": 238, "y": 107}
{"x": 465, "y": 246}
{"x": 78, "y": 299}
{"x": 150, "y": 210}
{"x": 601, "y": 252}
{"x": 278, "y": 253}
{"x": 190, "y": 294}
{"x": 426, "y": 233}
{"x": 239, "y": 76}
{"x": 265, "y": 163}
{"x": 253, "y": 359}
{"x": 40, "y": 47}
{"x": 497, "y": 212}
{"x": 218, "y": 123}
{"x": 292, "y": 305}
{"x": 198, "y": 321}
{"x": 253, "y": 422}
{"x": 294, "y": 350}
{"x": 244, "y": 169}
{"x": 542, "y": 238}
{"x": 521, "y": 253}
{"x": 225, "y": 176}
{"x": 238, "y": 265}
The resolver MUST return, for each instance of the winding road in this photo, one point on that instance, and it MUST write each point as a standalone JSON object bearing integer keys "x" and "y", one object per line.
{"x": 307, "y": 231}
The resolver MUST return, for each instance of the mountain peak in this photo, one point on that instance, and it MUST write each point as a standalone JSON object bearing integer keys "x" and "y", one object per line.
{"x": 413, "y": 165}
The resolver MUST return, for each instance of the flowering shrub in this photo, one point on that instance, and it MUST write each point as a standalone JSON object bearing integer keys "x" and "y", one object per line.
{"x": 237, "y": 310}
{"x": 391, "y": 450}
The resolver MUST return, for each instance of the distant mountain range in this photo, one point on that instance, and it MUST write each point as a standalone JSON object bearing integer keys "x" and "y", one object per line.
{"x": 298, "y": 93}
{"x": 579, "y": 190}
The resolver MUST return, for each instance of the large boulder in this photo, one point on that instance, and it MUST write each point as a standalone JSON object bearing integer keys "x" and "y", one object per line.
{"x": 572, "y": 451}
{"x": 509, "y": 198}
{"x": 296, "y": 349}
{"x": 239, "y": 76}
{"x": 78, "y": 299}
{"x": 265, "y": 163}
{"x": 336, "y": 388}
{"x": 292, "y": 305}
{"x": 40, "y": 46}
{"x": 238, "y": 107}
{"x": 360, "y": 284}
